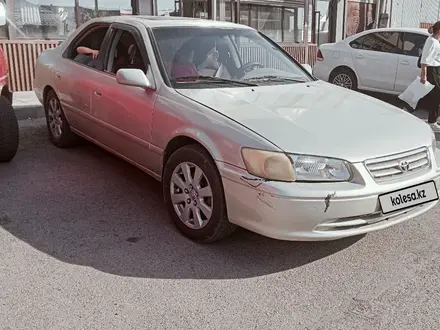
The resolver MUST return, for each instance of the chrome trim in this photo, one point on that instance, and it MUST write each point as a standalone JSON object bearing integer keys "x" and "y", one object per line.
{"x": 399, "y": 165}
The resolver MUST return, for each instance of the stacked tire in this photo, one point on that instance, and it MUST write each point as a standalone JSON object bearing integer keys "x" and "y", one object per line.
{"x": 9, "y": 132}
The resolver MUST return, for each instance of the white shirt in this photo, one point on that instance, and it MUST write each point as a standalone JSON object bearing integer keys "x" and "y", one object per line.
{"x": 431, "y": 52}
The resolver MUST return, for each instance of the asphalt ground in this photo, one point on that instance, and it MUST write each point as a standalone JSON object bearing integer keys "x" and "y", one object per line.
{"x": 85, "y": 243}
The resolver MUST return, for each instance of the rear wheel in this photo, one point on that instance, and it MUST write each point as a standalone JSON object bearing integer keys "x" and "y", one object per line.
{"x": 9, "y": 131}
{"x": 193, "y": 193}
{"x": 345, "y": 78}
{"x": 57, "y": 125}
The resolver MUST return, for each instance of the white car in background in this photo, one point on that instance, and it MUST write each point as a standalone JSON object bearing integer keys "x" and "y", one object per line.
{"x": 378, "y": 60}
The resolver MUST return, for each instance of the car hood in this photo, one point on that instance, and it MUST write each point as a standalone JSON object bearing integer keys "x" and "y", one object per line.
{"x": 318, "y": 118}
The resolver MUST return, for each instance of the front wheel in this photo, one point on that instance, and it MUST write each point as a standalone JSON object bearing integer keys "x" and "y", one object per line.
{"x": 194, "y": 197}
{"x": 9, "y": 131}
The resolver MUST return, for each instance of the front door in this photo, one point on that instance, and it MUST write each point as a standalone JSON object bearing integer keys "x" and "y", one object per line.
{"x": 407, "y": 69}
{"x": 125, "y": 113}
{"x": 375, "y": 57}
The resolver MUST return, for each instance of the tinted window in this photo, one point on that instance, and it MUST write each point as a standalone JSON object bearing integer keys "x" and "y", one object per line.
{"x": 384, "y": 42}
{"x": 413, "y": 44}
{"x": 125, "y": 53}
{"x": 230, "y": 53}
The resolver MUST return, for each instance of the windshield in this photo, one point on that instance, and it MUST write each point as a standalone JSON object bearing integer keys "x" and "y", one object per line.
{"x": 236, "y": 57}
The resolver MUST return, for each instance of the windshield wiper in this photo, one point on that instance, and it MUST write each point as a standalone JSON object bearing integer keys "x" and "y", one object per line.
{"x": 209, "y": 79}
{"x": 276, "y": 78}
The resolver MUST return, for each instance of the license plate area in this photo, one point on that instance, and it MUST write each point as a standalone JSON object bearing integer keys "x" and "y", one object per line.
{"x": 408, "y": 197}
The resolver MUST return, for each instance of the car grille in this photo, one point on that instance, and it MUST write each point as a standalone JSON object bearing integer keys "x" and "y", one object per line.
{"x": 396, "y": 166}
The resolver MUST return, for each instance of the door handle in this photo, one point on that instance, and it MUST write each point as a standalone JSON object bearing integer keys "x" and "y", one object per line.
{"x": 359, "y": 56}
{"x": 404, "y": 62}
{"x": 98, "y": 94}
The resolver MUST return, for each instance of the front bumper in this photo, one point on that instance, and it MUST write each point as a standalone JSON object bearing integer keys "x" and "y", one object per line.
{"x": 316, "y": 211}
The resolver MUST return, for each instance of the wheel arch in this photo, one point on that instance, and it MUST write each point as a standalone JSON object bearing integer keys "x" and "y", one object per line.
{"x": 188, "y": 137}
{"x": 342, "y": 68}
{"x": 46, "y": 91}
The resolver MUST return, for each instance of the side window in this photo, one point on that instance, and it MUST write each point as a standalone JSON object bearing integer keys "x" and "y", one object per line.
{"x": 85, "y": 49}
{"x": 384, "y": 42}
{"x": 413, "y": 44}
{"x": 125, "y": 53}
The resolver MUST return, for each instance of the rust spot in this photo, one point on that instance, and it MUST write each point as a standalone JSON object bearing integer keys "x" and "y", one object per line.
{"x": 327, "y": 201}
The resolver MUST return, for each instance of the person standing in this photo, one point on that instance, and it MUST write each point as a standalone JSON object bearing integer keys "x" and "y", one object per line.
{"x": 430, "y": 63}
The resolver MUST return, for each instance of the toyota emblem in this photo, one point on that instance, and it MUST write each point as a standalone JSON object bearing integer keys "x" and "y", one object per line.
{"x": 404, "y": 166}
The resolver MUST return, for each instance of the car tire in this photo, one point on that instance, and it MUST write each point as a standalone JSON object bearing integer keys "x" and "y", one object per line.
{"x": 345, "y": 78}
{"x": 197, "y": 208}
{"x": 57, "y": 124}
{"x": 9, "y": 131}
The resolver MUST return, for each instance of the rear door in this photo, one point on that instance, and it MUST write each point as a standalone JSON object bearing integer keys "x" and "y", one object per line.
{"x": 375, "y": 57}
{"x": 407, "y": 70}
{"x": 72, "y": 76}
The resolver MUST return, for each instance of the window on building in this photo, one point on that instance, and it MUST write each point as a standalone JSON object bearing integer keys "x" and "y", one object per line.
{"x": 279, "y": 24}
{"x": 293, "y": 23}
{"x": 384, "y": 42}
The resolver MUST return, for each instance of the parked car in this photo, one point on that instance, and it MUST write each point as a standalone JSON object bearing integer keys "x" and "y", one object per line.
{"x": 378, "y": 60}
{"x": 256, "y": 141}
{"x": 9, "y": 131}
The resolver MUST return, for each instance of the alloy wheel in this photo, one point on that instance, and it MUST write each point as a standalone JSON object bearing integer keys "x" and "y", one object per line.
{"x": 191, "y": 195}
{"x": 55, "y": 119}
{"x": 343, "y": 80}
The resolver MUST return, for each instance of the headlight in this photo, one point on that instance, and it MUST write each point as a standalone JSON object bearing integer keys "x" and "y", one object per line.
{"x": 434, "y": 142}
{"x": 268, "y": 165}
{"x": 278, "y": 166}
{"x": 313, "y": 168}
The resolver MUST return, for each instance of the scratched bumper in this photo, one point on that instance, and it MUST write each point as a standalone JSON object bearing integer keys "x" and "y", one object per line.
{"x": 315, "y": 211}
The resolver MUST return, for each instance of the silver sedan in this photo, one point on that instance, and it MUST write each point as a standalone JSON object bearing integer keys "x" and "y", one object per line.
{"x": 238, "y": 132}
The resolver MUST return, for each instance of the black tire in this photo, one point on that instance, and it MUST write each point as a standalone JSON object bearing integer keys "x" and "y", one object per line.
{"x": 337, "y": 74}
{"x": 9, "y": 131}
{"x": 66, "y": 138}
{"x": 218, "y": 226}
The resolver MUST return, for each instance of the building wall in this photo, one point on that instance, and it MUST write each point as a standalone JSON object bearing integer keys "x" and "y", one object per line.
{"x": 408, "y": 13}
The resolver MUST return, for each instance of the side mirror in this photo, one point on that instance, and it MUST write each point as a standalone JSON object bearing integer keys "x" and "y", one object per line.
{"x": 133, "y": 77}
{"x": 2, "y": 14}
{"x": 308, "y": 68}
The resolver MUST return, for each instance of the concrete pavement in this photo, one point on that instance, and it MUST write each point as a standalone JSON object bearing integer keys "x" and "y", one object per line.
{"x": 85, "y": 243}
{"x": 27, "y": 105}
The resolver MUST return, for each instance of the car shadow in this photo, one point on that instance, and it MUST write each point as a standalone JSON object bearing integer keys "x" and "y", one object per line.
{"x": 86, "y": 207}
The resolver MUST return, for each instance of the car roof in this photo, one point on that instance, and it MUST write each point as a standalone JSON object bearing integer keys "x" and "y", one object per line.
{"x": 401, "y": 29}
{"x": 170, "y": 21}
{"x": 398, "y": 29}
